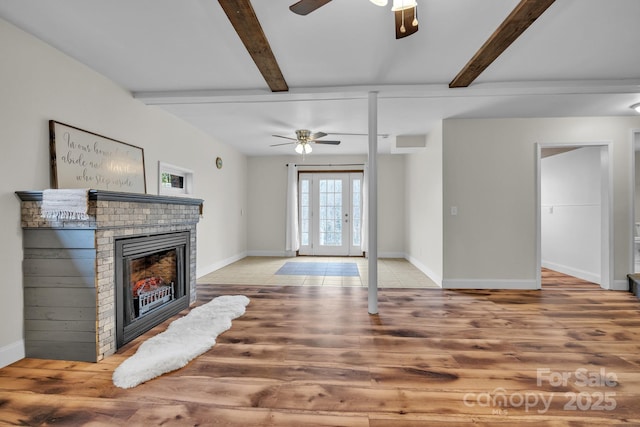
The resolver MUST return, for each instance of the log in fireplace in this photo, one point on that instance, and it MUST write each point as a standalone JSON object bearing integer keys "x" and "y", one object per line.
{"x": 151, "y": 281}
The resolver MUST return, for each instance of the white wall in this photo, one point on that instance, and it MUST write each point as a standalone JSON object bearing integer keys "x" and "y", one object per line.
{"x": 637, "y": 182}
{"x": 571, "y": 213}
{"x": 267, "y": 201}
{"x": 39, "y": 83}
{"x": 489, "y": 174}
{"x": 391, "y": 206}
{"x": 423, "y": 204}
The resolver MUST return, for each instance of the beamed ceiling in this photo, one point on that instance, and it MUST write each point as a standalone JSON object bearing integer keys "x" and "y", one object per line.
{"x": 243, "y": 71}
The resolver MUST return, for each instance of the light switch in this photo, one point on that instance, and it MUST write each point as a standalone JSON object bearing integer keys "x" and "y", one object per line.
{"x": 454, "y": 210}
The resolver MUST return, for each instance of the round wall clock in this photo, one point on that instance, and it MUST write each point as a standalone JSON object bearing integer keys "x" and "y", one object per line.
{"x": 219, "y": 162}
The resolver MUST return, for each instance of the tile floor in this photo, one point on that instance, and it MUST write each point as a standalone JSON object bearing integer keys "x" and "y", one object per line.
{"x": 392, "y": 273}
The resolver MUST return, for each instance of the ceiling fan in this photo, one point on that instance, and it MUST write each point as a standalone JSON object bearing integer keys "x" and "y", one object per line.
{"x": 404, "y": 11}
{"x": 303, "y": 140}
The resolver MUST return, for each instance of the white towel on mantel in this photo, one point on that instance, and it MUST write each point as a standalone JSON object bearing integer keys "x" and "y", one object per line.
{"x": 61, "y": 204}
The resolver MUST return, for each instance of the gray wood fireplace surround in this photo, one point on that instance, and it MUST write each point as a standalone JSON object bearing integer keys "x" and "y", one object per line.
{"x": 69, "y": 268}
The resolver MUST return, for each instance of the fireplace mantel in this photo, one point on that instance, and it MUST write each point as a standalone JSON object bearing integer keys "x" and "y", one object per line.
{"x": 68, "y": 268}
{"x": 115, "y": 196}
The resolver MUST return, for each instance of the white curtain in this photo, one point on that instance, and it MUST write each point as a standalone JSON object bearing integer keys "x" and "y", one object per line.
{"x": 364, "y": 223}
{"x": 292, "y": 239}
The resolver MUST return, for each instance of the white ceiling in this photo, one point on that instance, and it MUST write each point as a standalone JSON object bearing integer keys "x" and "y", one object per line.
{"x": 580, "y": 58}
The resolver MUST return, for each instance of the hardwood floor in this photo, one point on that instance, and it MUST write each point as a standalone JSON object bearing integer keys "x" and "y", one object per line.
{"x": 551, "y": 279}
{"x": 313, "y": 356}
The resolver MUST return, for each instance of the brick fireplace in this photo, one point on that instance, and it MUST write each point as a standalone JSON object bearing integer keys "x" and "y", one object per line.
{"x": 69, "y": 269}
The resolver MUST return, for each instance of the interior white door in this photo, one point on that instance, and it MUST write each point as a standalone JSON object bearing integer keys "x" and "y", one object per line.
{"x": 329, "y": 218}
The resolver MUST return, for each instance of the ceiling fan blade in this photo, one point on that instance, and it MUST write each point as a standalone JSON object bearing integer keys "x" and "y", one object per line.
{"x": 327, "y": 142}
{"x": 284, "y": 143}
{"x": 382, "y": 135}
{"x": 409, "y": 16}
{"x": 305, "y": 7}
{"x": 285, "y": 137}
{"x": 317, "y": 135}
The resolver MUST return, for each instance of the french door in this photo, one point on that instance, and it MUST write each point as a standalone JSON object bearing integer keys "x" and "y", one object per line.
{"x": 330, "y": 213}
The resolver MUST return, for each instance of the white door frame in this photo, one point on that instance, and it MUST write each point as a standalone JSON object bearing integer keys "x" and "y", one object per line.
{"x": 606, "y": 269}
{"x": 347, "y": 249}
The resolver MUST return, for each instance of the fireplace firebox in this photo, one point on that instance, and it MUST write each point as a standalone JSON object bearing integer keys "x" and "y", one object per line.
{"x": 152, "y": 281}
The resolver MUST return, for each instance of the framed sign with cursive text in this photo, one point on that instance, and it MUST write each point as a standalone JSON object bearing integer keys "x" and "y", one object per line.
{"x": 81, "y": 159}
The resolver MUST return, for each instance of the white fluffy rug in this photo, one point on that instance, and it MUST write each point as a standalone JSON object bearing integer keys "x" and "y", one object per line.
{"x": 184, "y": 339}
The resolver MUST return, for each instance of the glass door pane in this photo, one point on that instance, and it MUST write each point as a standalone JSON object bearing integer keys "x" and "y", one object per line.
{"x": 331, "y": 212}
{"x": 356, "y": 213}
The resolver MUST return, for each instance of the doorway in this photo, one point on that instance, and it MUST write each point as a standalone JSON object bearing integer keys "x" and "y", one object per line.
{"x": 603, "y": 184}
{"x": 330, "y": 213}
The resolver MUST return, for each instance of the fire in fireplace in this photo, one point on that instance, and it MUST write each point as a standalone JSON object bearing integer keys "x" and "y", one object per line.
{"x": 152, "y": 281}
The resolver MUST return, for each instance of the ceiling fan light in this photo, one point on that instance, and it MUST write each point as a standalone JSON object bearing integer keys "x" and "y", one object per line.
{"x": 403, "y": 5}
{"x": 379, "y": 2}
{"x": 303, "y": 148}
{"x": 636, "y": 107}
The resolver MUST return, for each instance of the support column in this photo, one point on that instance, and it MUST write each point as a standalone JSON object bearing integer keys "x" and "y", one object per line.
{"x": 373, "y": 203}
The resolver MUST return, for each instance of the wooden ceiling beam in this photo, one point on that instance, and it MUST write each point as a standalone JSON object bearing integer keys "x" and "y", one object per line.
{"x": 522, "y": 16}
{"x": 245, "y": 22}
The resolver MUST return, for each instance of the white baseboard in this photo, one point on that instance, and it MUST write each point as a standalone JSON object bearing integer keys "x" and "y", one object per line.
{"x": 11, "y": 353}
{"x": 267, "y": 253}
{"x": 620, "y": 285}
{"x": 426, "y": 270}
{"x": 391, "y": 255}
{"x": 218, "y": 265}
{"x": 580, "y": 274}
{"x": 519, "y": 284}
